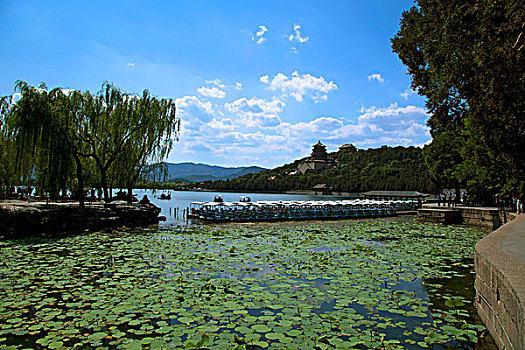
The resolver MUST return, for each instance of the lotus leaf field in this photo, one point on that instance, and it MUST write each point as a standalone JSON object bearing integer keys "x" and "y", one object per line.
{"x": 378, "y": 284}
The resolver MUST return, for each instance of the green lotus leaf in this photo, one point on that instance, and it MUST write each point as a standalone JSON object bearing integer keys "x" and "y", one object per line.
{"x": 135, "y": 345}
{"x": 294, "y": 333}
{"x": 185, "y": 319}
{"x": 261, "y": 328}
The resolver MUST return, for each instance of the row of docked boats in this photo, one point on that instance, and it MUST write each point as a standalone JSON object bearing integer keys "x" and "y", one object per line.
{"x": 248, "y": 211}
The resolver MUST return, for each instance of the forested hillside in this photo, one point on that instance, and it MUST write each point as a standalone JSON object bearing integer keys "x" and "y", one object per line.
{"x": 385, "y": 168}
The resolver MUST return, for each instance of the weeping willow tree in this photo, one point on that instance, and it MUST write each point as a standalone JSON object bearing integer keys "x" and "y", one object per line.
{"x": 39, "y": 136}
{"x": 62, "y": 137}
{"x": 6, "y": 173}
{"x": 68, "y": 107}
{"x": 126, "y": 132}
{"x": 150, "y": 142}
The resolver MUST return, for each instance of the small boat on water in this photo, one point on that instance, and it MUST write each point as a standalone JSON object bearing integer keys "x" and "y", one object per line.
{"x": 165, "y": 196}
{"x": 219, "y": 199}
{"x": 221, "y": 211}
{"x": 245, "y": 199}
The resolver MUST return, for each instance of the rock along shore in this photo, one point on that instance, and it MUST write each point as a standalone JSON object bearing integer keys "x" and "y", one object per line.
{"x": 32, "y": 218}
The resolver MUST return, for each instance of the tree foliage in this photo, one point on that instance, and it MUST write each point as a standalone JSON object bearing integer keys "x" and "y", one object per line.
{"x": 5, "y": 148}
{"x": 385, "y": 168}
{"x": 467, "y": 59}
{"x": 65, "y": 139}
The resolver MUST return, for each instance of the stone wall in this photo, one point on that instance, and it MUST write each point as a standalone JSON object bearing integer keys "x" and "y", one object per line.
{"x": 29, "y": 219}
{"x": 500, "y": 284}
{"x": 441, "y": 216}
{"x": 489, "y": 218}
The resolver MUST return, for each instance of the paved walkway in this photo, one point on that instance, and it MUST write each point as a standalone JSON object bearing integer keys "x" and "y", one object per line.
{"x": 514, "y": 243}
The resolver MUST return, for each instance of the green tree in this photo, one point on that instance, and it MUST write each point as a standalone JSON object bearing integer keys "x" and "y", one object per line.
{"x": 150, "y": 143}
{"x": 67, "y": 139}
{"x": 39, "y": 137}
{"x": 69, "y": 109}
{"x": 467, "y": 59}
{"x": 125, "y": 132}
{"x": 6, "y": 170}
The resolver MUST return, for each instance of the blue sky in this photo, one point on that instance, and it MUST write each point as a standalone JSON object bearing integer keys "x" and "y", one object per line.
{"x": 255, "y": 82}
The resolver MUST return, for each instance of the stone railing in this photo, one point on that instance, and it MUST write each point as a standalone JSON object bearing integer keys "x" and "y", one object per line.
{"x": 500, "y": 284}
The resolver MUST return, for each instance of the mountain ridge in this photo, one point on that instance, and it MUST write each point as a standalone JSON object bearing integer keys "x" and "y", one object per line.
{"x": 197, "y": 172}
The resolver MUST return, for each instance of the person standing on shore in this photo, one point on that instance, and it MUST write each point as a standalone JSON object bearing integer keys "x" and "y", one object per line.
{"x": 519, "y": 210}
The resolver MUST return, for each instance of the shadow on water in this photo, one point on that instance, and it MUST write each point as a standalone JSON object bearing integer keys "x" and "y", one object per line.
{"x": 443, "y": 292}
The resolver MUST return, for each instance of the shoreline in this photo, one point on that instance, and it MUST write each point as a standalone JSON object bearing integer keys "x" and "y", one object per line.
{"x": 23, "y": 218}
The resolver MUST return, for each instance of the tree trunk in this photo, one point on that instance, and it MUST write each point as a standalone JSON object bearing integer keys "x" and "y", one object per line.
{"x": 80, "y": 179}
{"x": 131, "y": 183}
{"x": 129, "y": 196}
{"x": 104, "y": 184}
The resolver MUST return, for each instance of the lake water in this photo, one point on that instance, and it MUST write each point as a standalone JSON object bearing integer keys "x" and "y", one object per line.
{"x": 173, "y": 209}
{"x": 367, "y": 284}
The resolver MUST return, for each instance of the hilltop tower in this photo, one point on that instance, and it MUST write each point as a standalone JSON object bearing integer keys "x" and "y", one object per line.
{"x": 317, "y": 161}
{"x": 319, "y": 152}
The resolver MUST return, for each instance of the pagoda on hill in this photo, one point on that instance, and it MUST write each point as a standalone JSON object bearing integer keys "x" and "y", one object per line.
{"x": 317, "y": 161}
{"x": 319, "y": 152}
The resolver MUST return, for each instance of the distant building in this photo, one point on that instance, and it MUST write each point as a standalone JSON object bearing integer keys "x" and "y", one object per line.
{"x": 394, "y": 195}
{"x": 317, "y": 161}
{"x": 322, "y": 189}
{"x": 345, "y": 149}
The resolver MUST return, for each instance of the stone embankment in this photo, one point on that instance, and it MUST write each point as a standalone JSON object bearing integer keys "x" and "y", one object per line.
{"x": 500, "y": 284}
{"x": 23, "y": 218}
{"x": 486, "y": 217}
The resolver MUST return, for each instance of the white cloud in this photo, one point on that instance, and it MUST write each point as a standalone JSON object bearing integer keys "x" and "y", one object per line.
{"x": 259, "y": 35}
{"x": 255, "y": 105}
{"x": 256, "y": 112}
{"x": 377, "y": 77}
{"x": 261, "y": 31}
{"x": 15, "y": 97}
{"x": 393, "y": 110}
{"x": 296, "y": 36}
{"x": 375, "y": 127}
{"x": 222, "y": 124}
{"x": 299, "y": 86}
{"x": 238, "y": 86}
{"x": 212, "y": 92}
{"x": 407, "y": 93}
{"x": 256, "y": 130}
{"x": 193, "y": 111}
{"x": 293, "y": 49}
{"x": 216, "y": 82}
{"x": 130, "y": 64}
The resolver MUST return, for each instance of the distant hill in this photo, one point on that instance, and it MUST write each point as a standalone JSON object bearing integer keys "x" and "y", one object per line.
{"x": 194, "y": 172}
